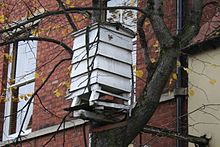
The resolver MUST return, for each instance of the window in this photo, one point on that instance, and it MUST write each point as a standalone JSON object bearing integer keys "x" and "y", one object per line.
{"x": 20, "y": 86}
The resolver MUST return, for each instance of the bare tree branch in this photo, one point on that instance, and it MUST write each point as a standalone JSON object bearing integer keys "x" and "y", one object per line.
{"x": 193, "y": 24}
{"x": 68, "y": 10}
{"x": 67, "y": 48}
{"x": 67, "y": 15}
{"x": 172, "y": 134}
{"x": 151, "y": 67}
{"x": 155, "y": 8}
{"x": 35, "y": 93}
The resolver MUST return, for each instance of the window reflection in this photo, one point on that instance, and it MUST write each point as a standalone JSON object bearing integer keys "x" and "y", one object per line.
{"x": 26, "y": 60}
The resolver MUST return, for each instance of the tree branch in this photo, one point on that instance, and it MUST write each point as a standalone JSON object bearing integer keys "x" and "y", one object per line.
{"x": 35, "y": 93}
{"x": 68, "y": 10}
{"x": 150, "y": 97}
{"x": 193, "y": 24}
{"x": 151, "y": 67}
{"x": 67, "y": 48}
{"x": 155, "y": 8}
{"x": 175, "y": 135}
{"x": 67, "y": 15}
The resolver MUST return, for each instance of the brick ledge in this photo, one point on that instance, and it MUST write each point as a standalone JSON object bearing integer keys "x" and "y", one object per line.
{"x": 47, "y": 131}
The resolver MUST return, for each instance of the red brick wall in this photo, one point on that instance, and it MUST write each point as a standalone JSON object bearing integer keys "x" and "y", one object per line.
{"x": 164, "y": 116}
{"x": 73, "y": 137}
{"x": 48, "y": 55}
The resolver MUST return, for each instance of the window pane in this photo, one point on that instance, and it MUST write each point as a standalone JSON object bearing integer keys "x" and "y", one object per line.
{"x": 26, "y": 60}
{"x": 24, "y": 90}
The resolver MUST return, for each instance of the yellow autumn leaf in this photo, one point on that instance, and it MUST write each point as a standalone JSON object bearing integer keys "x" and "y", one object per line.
{"x": 35, "y": 32}
{"x": 139, "y": 73}
{"x": 25, "y": 98}
{"x": 156, "y": 44}
{"x": 2, "y": 5}
{"x": 75, "y": 17}
{"x": 2, "y": 18}
{"x": 174, "y": 76}
{"x": 67, "y": 2}
{"x": 72, "y": 6}
{"x": 178, "y": 64}
{"x": 43, "y": 80}
{"x": 157, "y": 50}
{"x": 212, "y": 81}
{"x": 21, "y": 96}
{"x": 191, "y": 92}
{"x": 57, "y": 93}
{"x": 6, "y": 99}
{"x": 67, "y": 84}
{"x": 170, "y": 82}
{"x": 132, "y": 2}
{"x": 11, "y": 81}
{"x": 56, "y": 27}
{"x": 16, "y": 100}
{"x": 36, "y": 75}
{"x": 8, "y": 57}
{"x": 11, "y": 88}
{"x": 146, "y": 23}
{"x": 153, "y": 60}
{"x": 65, "y": 31}
{"x": 29, "y": 94}
{"x": 2, "y": 97}
{"x": 186, "y": 69}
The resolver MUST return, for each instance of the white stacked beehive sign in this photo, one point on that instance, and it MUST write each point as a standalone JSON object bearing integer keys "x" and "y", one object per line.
{"x": 101, "y": 65}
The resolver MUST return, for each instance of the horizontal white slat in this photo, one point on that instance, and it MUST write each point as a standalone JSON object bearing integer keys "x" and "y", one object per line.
{"x": 103, "y": 49}
{"x": 116, "y": 82}
{"x": 105, "y": 35}
{"x": 102, "y": 63}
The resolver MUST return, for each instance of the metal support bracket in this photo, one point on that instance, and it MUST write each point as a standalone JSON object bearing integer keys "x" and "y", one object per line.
{"x": 181, "y": 91}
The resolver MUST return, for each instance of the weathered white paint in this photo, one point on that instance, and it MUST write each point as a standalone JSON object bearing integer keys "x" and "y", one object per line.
{"x": 109, "y": 58}
{"x": 108, "y": 34}
{"x": 115, "y": 83}
{"x": 204, "y": 71}
{"x": 102, "y": 63}
{"x": 104, "y": 49}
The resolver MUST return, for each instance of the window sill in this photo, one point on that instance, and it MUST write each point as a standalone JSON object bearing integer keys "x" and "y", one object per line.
{"x": 46, "y": 131}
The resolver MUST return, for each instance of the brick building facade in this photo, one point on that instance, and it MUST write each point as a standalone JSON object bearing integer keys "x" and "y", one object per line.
{"x": 49, "y": 104}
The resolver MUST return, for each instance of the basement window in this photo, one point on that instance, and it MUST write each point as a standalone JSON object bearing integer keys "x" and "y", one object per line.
{"x": 20, "y": 87}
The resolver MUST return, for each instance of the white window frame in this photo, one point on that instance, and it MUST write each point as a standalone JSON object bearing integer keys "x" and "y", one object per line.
{"x": 8, "y": 105}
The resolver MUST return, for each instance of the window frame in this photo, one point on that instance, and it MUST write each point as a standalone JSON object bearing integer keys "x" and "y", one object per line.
{"x": 8, "y": 131}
